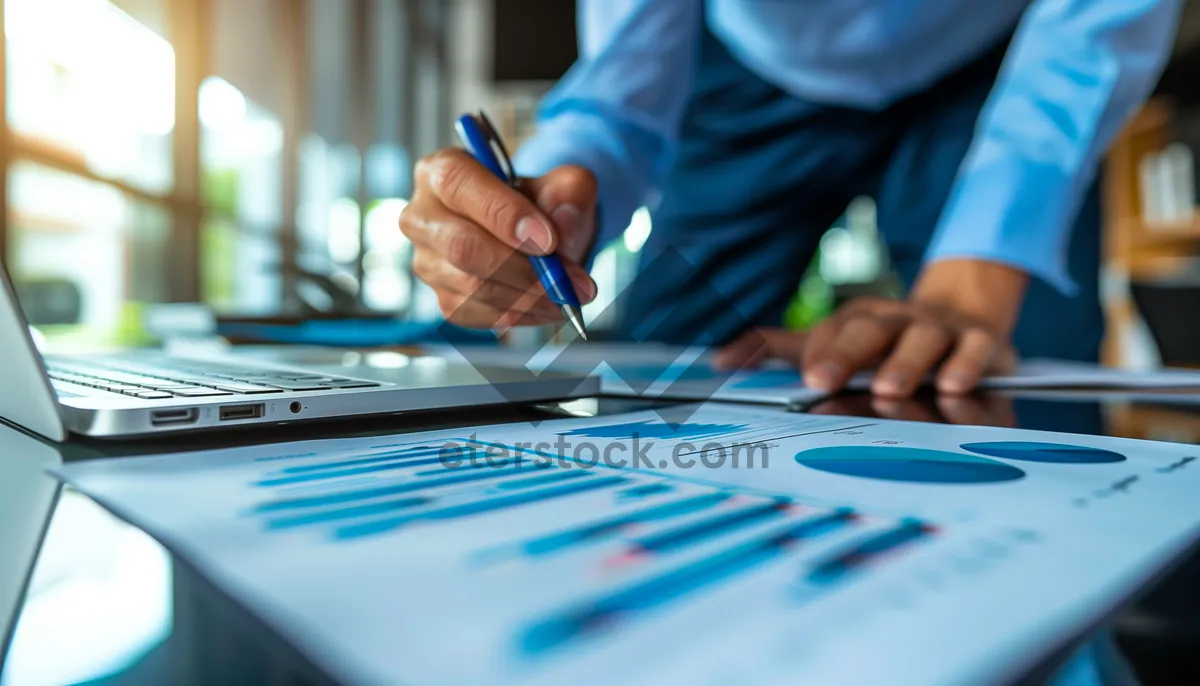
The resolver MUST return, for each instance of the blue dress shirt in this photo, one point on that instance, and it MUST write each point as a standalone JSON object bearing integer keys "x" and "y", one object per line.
{"x": 1075, "y": 71}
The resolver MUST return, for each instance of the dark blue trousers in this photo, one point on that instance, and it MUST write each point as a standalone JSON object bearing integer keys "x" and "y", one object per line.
{"x": 760, "y": 175}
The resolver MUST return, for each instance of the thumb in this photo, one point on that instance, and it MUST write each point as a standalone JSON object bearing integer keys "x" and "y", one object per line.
{"x": 568, "y": 195}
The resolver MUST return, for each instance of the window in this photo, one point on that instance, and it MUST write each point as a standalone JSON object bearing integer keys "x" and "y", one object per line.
{"x": 91, "y": 115}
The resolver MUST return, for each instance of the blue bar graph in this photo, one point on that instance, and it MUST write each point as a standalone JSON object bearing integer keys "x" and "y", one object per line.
{"x": 449, "y": 454}
{"x": 607, "y": 611}
{"x": 369, "y": 469}
{"x": 596, "y": 531}
{"x": 372, "y": 528}
{"x": 717, "y": 525}
{"x": 843, "y": 563}
{"x": 367, "y": 510}
{"x": 644, "y": 491}
{"x": 341, "y": 497}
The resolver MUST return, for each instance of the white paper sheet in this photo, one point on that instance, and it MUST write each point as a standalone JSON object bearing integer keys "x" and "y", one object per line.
{"x": 1045, "y": 373}
{"x": 660, "y": 371}
{"x": 650, "y": 370}
{"x": 856, "y": 551}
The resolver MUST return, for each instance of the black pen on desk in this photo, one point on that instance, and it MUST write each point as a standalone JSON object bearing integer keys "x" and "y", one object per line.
{"x": 481, "y": 140}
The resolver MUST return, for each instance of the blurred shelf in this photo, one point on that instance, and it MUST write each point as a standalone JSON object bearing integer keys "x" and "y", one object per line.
{"x": 1168, "y": 235}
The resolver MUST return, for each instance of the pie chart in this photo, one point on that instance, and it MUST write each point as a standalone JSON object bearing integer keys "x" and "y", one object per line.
{"x": 911, "y": 465}
{"x": 1044, "y": 452}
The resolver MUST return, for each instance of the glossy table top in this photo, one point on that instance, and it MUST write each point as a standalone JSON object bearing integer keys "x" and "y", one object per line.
{"x": 86, "y": 598}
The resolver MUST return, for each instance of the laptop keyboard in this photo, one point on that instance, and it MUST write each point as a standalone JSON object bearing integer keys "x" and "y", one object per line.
{"x": 193, "y": 379}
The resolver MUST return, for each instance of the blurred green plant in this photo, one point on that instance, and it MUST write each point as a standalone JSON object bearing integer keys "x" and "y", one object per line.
{"x": 220, "y": 189}
{"x": 813, "y": 300}
{"x": 217, "y": 261}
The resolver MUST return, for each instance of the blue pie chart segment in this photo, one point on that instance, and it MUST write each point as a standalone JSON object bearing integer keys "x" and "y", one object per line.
{"x": 912, "y": 465}
{"x": 1044, "y": 452}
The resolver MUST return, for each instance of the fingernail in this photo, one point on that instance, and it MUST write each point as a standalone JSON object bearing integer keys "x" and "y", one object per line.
{"x": 585, "y": 288}
{"x": 568, "y": 219}
{"x": 893, "y": 383}
{"x": 534, "y": 236}
{"x": 823, "y": 376}
{"x": 954, "y": 382}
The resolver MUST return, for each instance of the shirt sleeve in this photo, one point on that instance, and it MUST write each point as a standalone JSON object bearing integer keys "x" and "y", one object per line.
{"x": 617, "y": 111}
{"x": 1077, "y": 69}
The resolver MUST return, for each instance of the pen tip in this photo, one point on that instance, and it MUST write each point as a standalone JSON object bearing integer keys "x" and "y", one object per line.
{"x": 575, "y": 316}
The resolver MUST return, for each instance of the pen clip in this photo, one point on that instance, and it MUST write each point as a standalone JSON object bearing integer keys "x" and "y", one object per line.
{"x": 497, "y": 146}
{"x": 481, "y": 140}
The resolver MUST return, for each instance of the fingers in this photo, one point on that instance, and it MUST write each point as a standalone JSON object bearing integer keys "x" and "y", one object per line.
{"x": 757, "y": 345}
{"x": 467, "y": 311}
{"x": 920, "y": 348}
{"x": 859, "y": 342}
{"x": 568, "y": 195}
{"x": 977, "y": 352}
{"x": 457, "y": 288}
{"x": 439, "y": 234}
{"x": 466, "y": 230}
{"x": 819, "y": 340}
{"x": 468, "y": 189}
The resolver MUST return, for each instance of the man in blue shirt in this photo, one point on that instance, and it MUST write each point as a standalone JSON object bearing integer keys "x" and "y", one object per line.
{"x": 748, "y": 125}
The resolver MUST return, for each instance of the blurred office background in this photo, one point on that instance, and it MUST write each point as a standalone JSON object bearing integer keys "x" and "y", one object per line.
{"x": 254, "y": 156}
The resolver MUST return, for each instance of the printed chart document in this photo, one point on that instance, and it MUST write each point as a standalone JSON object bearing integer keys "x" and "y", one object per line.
{"x": 660, "y": 371}
{"x": 713, "y": 544}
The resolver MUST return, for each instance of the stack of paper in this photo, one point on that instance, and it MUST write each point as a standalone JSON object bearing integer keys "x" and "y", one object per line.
{"x": 712, "y": 544}
{"x": 669, "y": 372}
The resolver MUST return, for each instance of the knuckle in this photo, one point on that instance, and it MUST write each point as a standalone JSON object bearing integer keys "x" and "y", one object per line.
{"x": 421, "y": 169}
{"x": 410, "y": 220}
{"x": 476, "y": 286}
{"x": 869, "y": 326}
{"x": 445, "y": 171}
{"x": 420, "y": 265}
{"x": 449, "y": 305}
{"x": 498, "y": 214}
{"x": 976, "y": 336}
{"x": 932, "y": 332}
{"x": 462, "y": 249}
{"x": 580, "y": 178}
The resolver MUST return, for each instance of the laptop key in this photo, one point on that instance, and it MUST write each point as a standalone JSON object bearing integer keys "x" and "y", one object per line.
{"x": 313, "y": 378}
{"x": 298, "y": 385}
{"x": 199, "y": 393}
{"x": 248, "y": 389}
{"x": 152, "y": 395}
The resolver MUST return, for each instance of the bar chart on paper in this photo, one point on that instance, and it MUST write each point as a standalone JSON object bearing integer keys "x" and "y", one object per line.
{"x": 859, "y": 537}
{"x": 652, "y": 542}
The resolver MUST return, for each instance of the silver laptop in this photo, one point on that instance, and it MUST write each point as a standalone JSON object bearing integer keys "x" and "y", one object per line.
{"x": 144, "y": 392}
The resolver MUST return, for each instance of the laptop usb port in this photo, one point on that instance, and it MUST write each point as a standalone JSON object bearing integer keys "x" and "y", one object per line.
{"x": 186, "y": 415}
{"x": 231, "y": 413}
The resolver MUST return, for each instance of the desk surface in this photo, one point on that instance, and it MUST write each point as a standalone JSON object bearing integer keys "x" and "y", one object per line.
{"x": 85, "y": 598}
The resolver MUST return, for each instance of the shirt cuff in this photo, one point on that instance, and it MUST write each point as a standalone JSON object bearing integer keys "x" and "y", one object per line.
{"x": 1014, "y": 212}
{"x": 587, "y": 140}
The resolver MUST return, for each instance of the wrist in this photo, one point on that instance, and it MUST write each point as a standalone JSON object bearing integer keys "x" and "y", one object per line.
{"x": 989, "y": 293}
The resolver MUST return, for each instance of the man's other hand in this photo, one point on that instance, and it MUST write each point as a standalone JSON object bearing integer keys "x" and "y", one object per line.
{"x": 955, "y": 326}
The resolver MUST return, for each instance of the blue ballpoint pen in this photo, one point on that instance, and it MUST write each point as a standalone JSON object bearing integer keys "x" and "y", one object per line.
{"x": 481, "y": 140}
